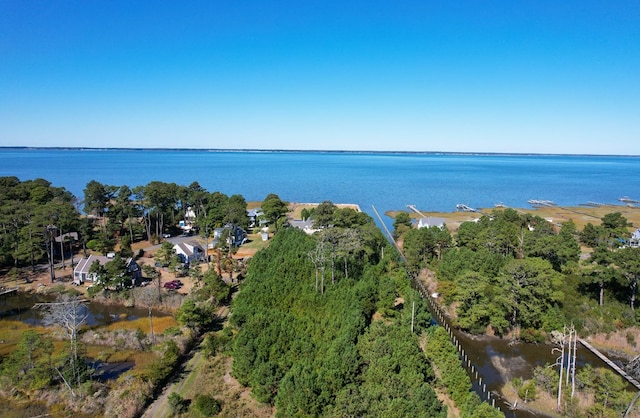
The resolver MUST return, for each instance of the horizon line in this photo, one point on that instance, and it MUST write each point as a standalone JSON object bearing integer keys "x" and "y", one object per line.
{"x": 329, "y": 151}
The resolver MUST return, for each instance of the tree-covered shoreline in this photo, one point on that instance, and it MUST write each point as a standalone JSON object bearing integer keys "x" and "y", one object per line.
{"x": 519, "y": 276}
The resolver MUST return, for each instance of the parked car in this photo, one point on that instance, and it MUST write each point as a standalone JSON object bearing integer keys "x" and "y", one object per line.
{"x": 170, "y": 286}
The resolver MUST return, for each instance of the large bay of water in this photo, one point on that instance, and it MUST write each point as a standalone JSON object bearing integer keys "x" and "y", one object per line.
{"x": 388, "y": 181}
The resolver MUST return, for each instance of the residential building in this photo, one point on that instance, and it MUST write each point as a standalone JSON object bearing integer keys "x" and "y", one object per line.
{"x": 82, "y": 274}
{"x": 428, "y": 222}
{"x": 189, "y": 251}
{"x": 634, "y": 241}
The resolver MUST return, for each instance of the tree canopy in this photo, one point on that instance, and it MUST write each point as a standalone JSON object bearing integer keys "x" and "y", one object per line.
{"x": 319, "y": 354}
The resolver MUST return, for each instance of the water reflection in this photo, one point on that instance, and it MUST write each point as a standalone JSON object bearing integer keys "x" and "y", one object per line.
{"x": 19, "y": 307}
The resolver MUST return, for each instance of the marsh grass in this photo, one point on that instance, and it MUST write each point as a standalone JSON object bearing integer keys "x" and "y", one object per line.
{"x": 160, "y": 324}
{"x": 11, "y": 332}
{"x": 105, "y": 343}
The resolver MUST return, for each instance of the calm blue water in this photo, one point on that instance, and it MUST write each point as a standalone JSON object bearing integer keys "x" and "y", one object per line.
{"x": 432, "y": 182}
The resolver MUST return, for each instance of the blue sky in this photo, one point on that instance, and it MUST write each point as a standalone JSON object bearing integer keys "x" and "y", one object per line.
{"x": 466, "y": 76}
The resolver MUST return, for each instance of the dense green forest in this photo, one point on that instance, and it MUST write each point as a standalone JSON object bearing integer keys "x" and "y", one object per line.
{"x": 340, "y": 346}
{"x": 519, "y": 274}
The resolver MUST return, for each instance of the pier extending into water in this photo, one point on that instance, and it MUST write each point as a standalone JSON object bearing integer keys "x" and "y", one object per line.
{"x": 610, "y": 363}
{"x": 415, "y": 209}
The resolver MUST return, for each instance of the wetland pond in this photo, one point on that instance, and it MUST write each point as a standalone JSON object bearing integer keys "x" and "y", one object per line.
{"x": 498, "y": 361}
{"x": 19, "y": 307}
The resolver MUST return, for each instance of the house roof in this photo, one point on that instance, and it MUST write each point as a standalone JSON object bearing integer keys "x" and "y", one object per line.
{"x": 305, "y": 225}
{"x": 85, "y": 263}
{"x": 431, "y": 221}
{"x": 636, "y": 234}
{"x": 187, "y": 248}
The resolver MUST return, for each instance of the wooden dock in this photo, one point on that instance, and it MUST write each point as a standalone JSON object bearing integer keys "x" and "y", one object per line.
{"x": 8, "y": 291}
{"x": 415, "y": 209}
{"x": 610, "y": 363}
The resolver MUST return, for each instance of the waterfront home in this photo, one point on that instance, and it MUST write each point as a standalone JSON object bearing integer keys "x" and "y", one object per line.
{"x": 305, "y": 224}
{"x": 82, "y": 274}
{"x": 428, "y": 222}
{"x": 187, "y": 223}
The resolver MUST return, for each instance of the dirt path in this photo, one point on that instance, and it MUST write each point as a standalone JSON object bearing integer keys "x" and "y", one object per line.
{"x": 160, "y": 407}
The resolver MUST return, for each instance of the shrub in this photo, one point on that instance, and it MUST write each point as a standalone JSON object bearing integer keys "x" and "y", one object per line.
{"x": 631, "y": 339}
{"x": 215, "y": 343}
{"x": 172, "y": 332}
{"x": 546, "y": 378}
{"x": 177, "y": 403}
{"x": 531, "y": 335}
{"x": 94, "y": 290}
{"x": 207, "y": 406}
{"x": 160, "y": 369}
{"x": 526, "y": 389}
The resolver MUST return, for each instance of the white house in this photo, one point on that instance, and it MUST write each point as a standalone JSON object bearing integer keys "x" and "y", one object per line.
{"x": 189, "y": 251}
{"x": 634, "y": 241}
{"x": 305, "y": 224}
{"x": 81, "y": 272}
{"x": 256, "y": 217}
{"x": 189, "y": 217}
{"x": 430, "y": 221}
{"x": 237, "y": 236}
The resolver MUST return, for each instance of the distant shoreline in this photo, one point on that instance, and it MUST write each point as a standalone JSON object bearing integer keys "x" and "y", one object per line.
{"x": 296, "y": 151}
